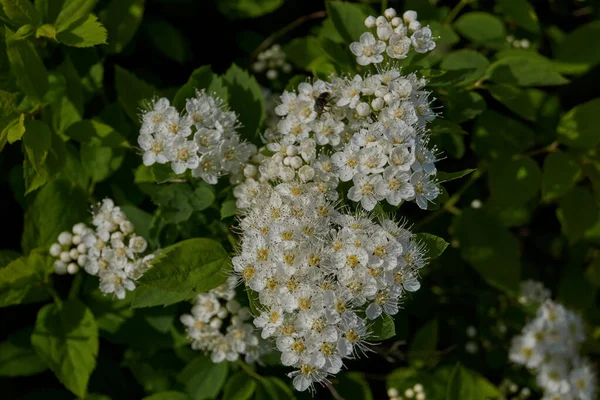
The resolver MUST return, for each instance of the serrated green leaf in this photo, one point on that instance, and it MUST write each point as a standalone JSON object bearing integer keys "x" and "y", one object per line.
{"x": 148, "y": 296}
{"x": 122, "y": 19}
{"x": 57, "y": 207}
{"x": 71, "y": 12}
{"x": 83, "y": 33}
{"x": 524, "y": 103}
{"x": 247, "y": 8}
{"x": 383, "y": 328}
{"x": 577, "y": 128}
{"x": 46, "y": 30}
{"x": 203, "y": 379}
{"x": 169, "y": 40}
{"x": 68, "y": 109}
{"x": 561, "y": 173}
{"x": 461, "y": 106}
{"x": 522, "y": 13}
{"x": 26, "y": 65}
{"x": 96, "y": 133}
{"x": 66, "y": 339}
{"x": 497, "y": 136}
{"x": 132, "y": 92}
{"x": 466, "y": 58}
{"x": 302, "y": 51}
{"x": 201, "y": 78}
{"x": 100, "y": 162}
{"x": 348, "y": 18}
{"x": 179, "y": 200}
{"x": 434, "y": 245}
{"x": 21, "y": 12}
{"x": 189, "y": 267}
{"x": 37, "y": 141}
{"x": 246, "y": 98}
{"x": 512, "y": 182}
{"x": 577, "y": 213}
{"x": 422, "y": 348}
{"x": 525, "y": 71}
{"x": 22, "y": 280}
{"x": 15, "y": 129}
{"x": 239, "y": 387}
{"x": 481, "y": 28}
{"x": 17, "y": 357}
{"x": 170, "y": 395}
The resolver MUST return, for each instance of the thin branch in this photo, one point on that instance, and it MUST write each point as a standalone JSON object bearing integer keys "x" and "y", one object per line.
{"x": 455, "y": 11}
{"x": 334, "y": 392}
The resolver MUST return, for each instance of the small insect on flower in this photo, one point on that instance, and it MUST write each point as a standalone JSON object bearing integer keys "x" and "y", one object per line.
{"x": 322, "y": 102}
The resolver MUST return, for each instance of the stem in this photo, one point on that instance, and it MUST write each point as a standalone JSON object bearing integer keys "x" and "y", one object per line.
{"x": 546, "y": 149}
{"x": 384, "y": 6}
{"x": 54, "y": 295}
{"x": 457, "y": 9}
{"x": 334, "y": 392}
{"x": 75, "y": 286}
{"x": 273, "y": 37}
{"x": 249, "y": 371}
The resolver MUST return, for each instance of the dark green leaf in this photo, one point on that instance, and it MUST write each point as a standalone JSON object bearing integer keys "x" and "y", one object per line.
{"x": 577, "y": 213}
{"x": 37, "y": 140}
{"x": 22, "y": 280}
{"x": 422, "y": 348}
{"x": 21, "y": 12}
{"x": 100, "y": 162}
{"x": 66, "y": 339}
{"x": 72, "y": 12}
{"x": 17, "y": 357}
{"x": 561, "y": 173}
{"x": 201, "y": 78}
{"x": 247, "y": 8}
{"x": 462, "y": 106}
{"x": 26, "y": 65}
{"x": 348, "y": 18}
{"x": 522, "y": 13}
{"x": 271, "y": 388}
{"x": 132, "y": 92}
{"x": 442, "y": 177}
{"x": 203, "y": 379}
{"x": 464, "y": 59}
{"x": 246, "y": 98}
{"x": 461, "y": 385}
{"x": 169, "y": 40}
{"x": 179, "y": 200}
{"x": 481, "y": 27}
{"x": 524, "y": 103}
{"x": 525, "y": 71}
{"x": 514, "y": 182}
{"x": 122, "y": 20}
{"x": 353, "y": 385}
{"x": 170, "y": 395}
{"x": 434, "y": 245}
{"x": 239, "y": 387}
{"x": 97, "y": 133}
{"x": 497, "y": 136}
{"x": 228, "y": 209}
{"x": 302, "y": 51}
{"x": 383, "y": 328}
{"x": 578, "y": 128}
{"x": 577, "y": 48}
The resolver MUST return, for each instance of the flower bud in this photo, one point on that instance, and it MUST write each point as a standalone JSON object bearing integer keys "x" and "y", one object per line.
{"x": 76, "y": 239}
{"x": 60, "y": 267}
{"x": 409, "y": 16}
{"x": 380, "y": 20}
{"x": 291, "y": 150}
{"x": 363, "y": 109}
{"x": 82, "y": 248}
{"x": 388, "y": 97}
{"x": 72, "y": 268}
{"x": 79, "y": 229}
{"x": 65, "y": 238}
{"x": 81, "y": 260}
{"x": 396, "y": 21}
{"x": 73, "y": 253}
{"x": 126, "y": 227}
{"x": 216, "y": 323}
{"x": 65, "y": 257}
{"x": 389, "y": 13}
{"x": 377, "y": 104}
{"x": 250, "y": 171}
{"x": 272, "y": 74}
{"x": 306, "y": 173}
{"x": 370, "y": 21}
{"x": 414, "y": 26}
{"x": 55, "y": 250}
{"x": 296, "y": 162}
{"x": 381, "y": 91}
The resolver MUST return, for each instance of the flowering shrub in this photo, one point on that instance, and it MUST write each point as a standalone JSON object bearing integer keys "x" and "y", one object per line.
{"x": 371, "y": 202}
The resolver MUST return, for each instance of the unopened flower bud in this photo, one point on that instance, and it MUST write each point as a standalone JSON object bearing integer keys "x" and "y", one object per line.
{"x": 396, "y": 21}
{"x": 377, "y": 103}
{"x": 55, "y": 250}
{"x": 363, "y": 109}
{"x": 409, "y": 16}
{"x": 370, "y": 21}
{"x": 73, "y": 253}
{"x": 250, "y": 171}
{"x": 414, "y": 26}
{"x": 65, "y": 238}
{"x": 72, "y": 268}
{"x": 79, "y": 229}
{"x": 380, "y": 20}
{"x": 389, "y": 13}
{"x": 60, "y": 267}
{"x": 65, "y": 257}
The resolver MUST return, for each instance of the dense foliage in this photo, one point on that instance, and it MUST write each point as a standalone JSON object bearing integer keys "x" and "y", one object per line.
{"x": 189, "y": 180}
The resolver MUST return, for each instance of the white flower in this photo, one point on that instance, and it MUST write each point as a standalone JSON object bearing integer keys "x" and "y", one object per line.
{"x": 425, "y": 190}
{"x": 115, "y": 281}
{"x": 368, "y": 50}
{"x": 370, "y": 21}
{"x": 422, "y": 41}
{"x": 583, "y": 381}
{"x": 409, "y": 16}
{"x": 395, "y": 186}
{"x": 399, "y": 46}
{"x": 346, "y": 163}
{"x": 155, "y": 149}
{"x": 364, "y": 190}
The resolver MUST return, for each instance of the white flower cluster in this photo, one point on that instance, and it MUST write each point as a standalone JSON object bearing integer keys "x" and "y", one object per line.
{"x": 320, "y": 274}
{"x": 395, "y": 36}
{"x": 216, "y": 312}
{"x": 417, "y": 392}
{"x": 215, "y": 148}
{"x": 511, "y": 390}
{"x": 369, "y": 131}
{"x": 115, "y": 251}
{"x": 549, "y": 345}
{"x": 533, "y": 292}
{"x": 272, "y": 60}
{"x": 70, "y": 250}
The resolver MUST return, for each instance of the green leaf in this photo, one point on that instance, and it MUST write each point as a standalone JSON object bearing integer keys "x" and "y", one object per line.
{"x": 96, "y": 133}
{"x": 524, "y": 103}
{"x": 271, "y": 388}
{"x": 26, "y": 65}
{"x": 522, "y": 13}
{"x": 21, "y": 12}
{"x": 16, "y": 129}
{"x": 189, "y": 267}
{"x": 239, "y": 387}
{"x": 461, "y": 385}
{"x": 140, "y": 219}
{"x": 498, "y": 136}
{"x": 170, "y": 395}
{"x": 149, "y": 296}
{"x": 561, "y": 173}
{"x": 383, "y": 328}
{"x": 201, "y": 78}
{"x": 442, "y": 177}
{"x": 100, "y": 162}
{"x": 444, "y": 33}
{"x": 83, "y": 33}
{"x": 577, "y": 213}
{"x": 57, "y": 207}
{"x": 246, "y": 98}
{"x": 179, "y": 200}
{"x": 422, "y": 348}
{"x": 238, "y": 9}
{"x": 448, "y": 136}
{"x": 228, "y": 209}
{"x": 17, "y": 357}
{"x": 72, "y": 11}
{"x": 23, "y": 32}
{"x": 490, "y": 248}
{"x": 461, "y": 106}
{"x": 132, "y": 92}
{"x": 525, "y": 71}
{"x": 577, "y": 128}
{"x": 353, "y": 385}
{"x": 302, "y": 51}
{"x": 169, "y": 40}
{"x": 434, "y": 245}
{"x": 66, "y": 339}
{"x": 22, "y": 280}
{"x": 512, "y": 182}
{"x": 578, "y": 49}
{"x": 481, "y": 28}
{"x": 6, "y": 256}
{"x": 47, "y": 31}
{"x": 68, "y": 109}
{"x": 348, "y": 18}
{"x": 122, "y": 19}
{"x": 464, "y": 59}
{"x": 37, "y": 141}
{"x": 203, "y": 379}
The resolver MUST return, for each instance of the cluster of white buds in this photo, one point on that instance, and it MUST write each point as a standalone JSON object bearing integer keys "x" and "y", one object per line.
{"x": 417, "y": 392}
{"x": 518, "y": 43}
{"x": 220, "y": 325}
{"x": 115, "y": 251}
{"x": 533, "y": 292}
{"x": 510, "y": 390}
{"x": 272, "y": 60}
{"x": 370, "y": 131}
{"x": 471, "y": 346}
{"x": 215, "y": 148}
{"x": 70, "y": 250}
{"x": 395, "y": 37}
{"x": 550, "y": 346}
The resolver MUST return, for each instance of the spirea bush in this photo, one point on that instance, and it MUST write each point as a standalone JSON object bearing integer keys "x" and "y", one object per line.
{"x": 291, "y": 200}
